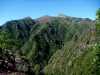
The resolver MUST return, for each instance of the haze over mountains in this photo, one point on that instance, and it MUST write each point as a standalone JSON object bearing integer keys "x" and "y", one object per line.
{"x": 54, "y": 45}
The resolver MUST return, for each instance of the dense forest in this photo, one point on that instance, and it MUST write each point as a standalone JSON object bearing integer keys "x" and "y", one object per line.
{"x": 48, "y": 45}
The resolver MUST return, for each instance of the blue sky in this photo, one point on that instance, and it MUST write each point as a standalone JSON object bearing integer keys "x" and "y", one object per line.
{"x": 18, "y": 9}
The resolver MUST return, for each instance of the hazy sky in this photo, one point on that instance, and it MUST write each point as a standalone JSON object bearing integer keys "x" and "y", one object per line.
{"x": 18, "y": 9}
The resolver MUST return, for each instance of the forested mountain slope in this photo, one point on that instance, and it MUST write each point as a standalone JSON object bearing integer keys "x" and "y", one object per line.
{"x": 54, "y": 45}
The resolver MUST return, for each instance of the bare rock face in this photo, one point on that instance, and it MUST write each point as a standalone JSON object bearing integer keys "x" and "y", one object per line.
{"x": 21, "y": 65}
{"x": 9, "y": 64}
{"x": 10, "y": 55}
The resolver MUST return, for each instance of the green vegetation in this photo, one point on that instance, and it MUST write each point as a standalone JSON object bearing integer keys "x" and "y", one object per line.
{"x": 5, "y": 40}
{"x": 55, "y": 45}
{"x": 96, "y": 47}
{"x": 98, "y": 13}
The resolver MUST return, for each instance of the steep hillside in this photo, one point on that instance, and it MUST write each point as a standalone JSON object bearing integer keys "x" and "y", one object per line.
{"x": 74, "y": 58}
{"x": 54, "y": 45}
{"x": 19, "y": 30}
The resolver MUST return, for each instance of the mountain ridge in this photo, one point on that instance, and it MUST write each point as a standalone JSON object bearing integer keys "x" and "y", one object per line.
{"x": 42, "y": 40}
{"x": 59, "y": 15}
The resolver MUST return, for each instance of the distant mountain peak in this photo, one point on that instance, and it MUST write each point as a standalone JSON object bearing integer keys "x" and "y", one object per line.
{"x": 27, "y": 17}
{"x": 43, "y": 17}
{"x": 61, "y": 15}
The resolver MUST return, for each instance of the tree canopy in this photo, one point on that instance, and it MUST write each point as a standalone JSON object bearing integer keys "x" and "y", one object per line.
{"x": 5, "y": 40}
{"x": 96, "y": 47}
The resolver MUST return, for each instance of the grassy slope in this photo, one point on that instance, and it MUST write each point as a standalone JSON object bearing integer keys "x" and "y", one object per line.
{"x": 73, "y": 58}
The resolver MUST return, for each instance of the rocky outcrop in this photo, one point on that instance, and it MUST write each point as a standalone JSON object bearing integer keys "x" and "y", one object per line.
{"x": 21, "y": 65}
{"x": 10, "y": 64}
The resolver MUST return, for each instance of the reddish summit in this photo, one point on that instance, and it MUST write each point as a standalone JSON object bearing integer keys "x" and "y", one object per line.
{"x": 43, "y": 17}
